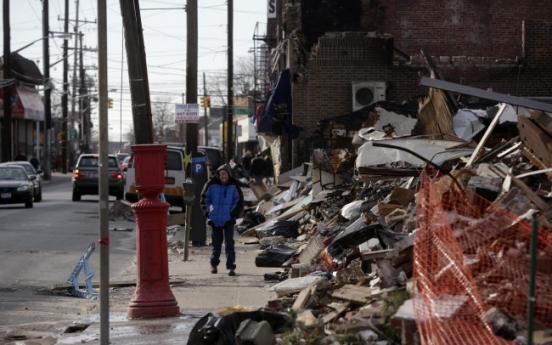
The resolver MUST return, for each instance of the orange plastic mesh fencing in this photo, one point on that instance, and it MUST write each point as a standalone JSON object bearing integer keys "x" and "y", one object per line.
{"x": 471, "y": 255}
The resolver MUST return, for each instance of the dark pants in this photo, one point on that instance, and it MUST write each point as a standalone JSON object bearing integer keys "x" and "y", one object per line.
{"x": 218, "y": 235}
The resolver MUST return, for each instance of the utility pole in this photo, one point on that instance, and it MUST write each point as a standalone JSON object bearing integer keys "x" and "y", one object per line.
{"x": 205, "y": 113}
{"x": 82, "y": 102}
{"x": 137, "y": 72}
{"x": 191, "y": 76}
{"x": 230, "y": 117}
{"x": 74, "y": 85}
{"x": 104, "y": 173}
{"x": 47, "y": 161}
{"x": 65, "y": 91}
{"x": 7, "y": 149}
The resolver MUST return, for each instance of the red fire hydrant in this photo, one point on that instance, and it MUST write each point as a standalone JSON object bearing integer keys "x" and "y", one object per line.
{"x": 153, "y": 296}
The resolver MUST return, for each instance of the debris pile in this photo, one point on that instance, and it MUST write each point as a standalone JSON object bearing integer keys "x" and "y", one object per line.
{"x": 410, "y": 239}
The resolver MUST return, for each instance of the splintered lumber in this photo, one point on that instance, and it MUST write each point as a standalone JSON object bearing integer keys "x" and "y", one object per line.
{"x": 353, "y": 293}
{"x": 337, "y": 311}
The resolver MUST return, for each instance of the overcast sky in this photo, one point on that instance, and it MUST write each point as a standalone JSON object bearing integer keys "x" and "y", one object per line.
{"x": 165, "y": 44}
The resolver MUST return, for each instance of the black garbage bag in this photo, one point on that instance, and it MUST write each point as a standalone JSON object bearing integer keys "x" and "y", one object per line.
{"x": 250, "y": 219}
{"x": 286, "y": 228}
{"x": 204, "y": 331}
{"x": 222, "y": 331}
{"x": 274, "y": 256}
{"x": 342, "y": 244}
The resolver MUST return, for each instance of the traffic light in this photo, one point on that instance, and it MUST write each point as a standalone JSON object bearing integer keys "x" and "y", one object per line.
{"x": 202, "y": 101}
{"x": 110, "y": 102}
{"x": 207, "y": 101}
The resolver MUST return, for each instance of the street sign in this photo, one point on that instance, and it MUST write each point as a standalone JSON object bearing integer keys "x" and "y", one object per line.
{"x": 72, "y": 133}
{"x": 241, "y": 111}
{"x": 186, "y": 113}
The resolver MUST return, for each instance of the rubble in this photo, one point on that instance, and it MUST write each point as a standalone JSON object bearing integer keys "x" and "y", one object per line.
{"x": 421, "y": 237}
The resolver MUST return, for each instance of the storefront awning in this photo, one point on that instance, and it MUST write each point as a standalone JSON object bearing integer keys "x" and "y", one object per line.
{"x": 26, "y": 104}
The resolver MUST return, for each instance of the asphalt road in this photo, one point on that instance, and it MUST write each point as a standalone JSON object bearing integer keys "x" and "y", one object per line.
{"x": 40, "y": 247}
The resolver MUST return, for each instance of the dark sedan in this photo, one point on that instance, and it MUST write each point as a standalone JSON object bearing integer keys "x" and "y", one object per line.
{"x": 86, "y": 177}
{"x": 37, "y": 180}
{"x": 16, "y": 187}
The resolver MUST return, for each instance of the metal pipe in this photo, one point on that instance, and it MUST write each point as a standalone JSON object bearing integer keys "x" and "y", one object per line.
{"x": 532, "y": 276}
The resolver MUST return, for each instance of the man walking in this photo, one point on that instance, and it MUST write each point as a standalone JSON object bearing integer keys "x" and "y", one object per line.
{"x": 221, "y": 203}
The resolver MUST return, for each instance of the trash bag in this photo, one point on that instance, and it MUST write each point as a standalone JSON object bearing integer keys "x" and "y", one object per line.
{"x": 286, "y": 228}
{"x": 274, "y": 256}
{"x": 226, "y": 327}
{"x": 343, "y": 243}
{"x": 204, "y": 331}
{"x": 250, "y": 219}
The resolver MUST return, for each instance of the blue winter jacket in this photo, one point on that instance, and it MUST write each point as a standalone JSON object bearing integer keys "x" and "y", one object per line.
{"x": 221, "y": 203}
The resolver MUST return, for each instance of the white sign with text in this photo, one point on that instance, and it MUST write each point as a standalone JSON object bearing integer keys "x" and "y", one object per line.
{"x": 186, "y": 113}
{"x": 271, "y": 10}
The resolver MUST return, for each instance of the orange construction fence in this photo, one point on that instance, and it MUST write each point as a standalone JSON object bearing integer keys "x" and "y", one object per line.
{"x": 471, "y": 255}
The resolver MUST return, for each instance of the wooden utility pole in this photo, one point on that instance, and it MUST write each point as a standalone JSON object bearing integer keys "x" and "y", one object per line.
{"x": 7, "y": 142}
{"x": 65, "y": 91}
{"x": 47, "y": 161}
{"x": 191, "y": 76}
{"x": 230, "y": 116}
{"x": 74, "y": 87}
{"x": 82, "y": 101}
{"x": 137, "y": 72}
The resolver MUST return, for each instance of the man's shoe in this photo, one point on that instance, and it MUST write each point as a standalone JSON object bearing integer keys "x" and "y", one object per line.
{"x": 232, "y": 273}
{"x": 213, "y": 269}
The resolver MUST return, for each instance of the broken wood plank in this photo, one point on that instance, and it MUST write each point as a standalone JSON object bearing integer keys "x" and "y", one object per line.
{"x": 541, "y": 204}
{"x": 353, "y": 293}
{"x": 377, "y": 254}
{"x": 487, "y": 134}
{"x": 335, "y": 313}
{"x": 304, "y": 298}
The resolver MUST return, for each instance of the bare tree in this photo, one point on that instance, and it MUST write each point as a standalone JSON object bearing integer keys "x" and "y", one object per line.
{"x": 163, "y": 116}
{"x": 129, "y": 136}
{"x": 244, "y": 81}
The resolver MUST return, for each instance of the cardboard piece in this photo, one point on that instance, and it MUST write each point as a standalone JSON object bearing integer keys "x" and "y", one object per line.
{"x": 176, "y": 219}
{"x": 260, "y": 191}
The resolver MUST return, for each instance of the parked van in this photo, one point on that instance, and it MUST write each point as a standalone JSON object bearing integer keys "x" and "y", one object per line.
{"x": 175, "y": 174}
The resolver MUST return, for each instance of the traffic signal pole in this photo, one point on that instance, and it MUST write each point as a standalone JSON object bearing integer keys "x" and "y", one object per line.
{"x": 206, "y": 121}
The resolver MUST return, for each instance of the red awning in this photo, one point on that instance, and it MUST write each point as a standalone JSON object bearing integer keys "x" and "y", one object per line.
{"x": 26, "y": 104}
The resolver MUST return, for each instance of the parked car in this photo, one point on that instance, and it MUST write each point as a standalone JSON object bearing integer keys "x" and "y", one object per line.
{"x": 122, "y": 155}
{"x": 85, "y": 178}
{"x": 16, "y": 187}
{"x": 124, "y": 164}
{"x": 37, "y": 174}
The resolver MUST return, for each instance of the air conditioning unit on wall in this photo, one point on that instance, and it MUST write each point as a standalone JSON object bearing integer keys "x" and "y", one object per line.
{"x": 368, "y": 92}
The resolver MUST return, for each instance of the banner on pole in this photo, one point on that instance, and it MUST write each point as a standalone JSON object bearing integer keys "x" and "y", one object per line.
{"x": 186, "y": 113}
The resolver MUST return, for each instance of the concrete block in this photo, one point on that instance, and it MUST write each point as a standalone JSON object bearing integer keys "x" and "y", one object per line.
{"x": 255, "y": 333}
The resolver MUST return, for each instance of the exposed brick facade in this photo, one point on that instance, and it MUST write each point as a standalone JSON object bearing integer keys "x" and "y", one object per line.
{"x": 500, "y": 44}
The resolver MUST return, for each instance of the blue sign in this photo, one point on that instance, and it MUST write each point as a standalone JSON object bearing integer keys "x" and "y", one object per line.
{"x": 198, "y": 164}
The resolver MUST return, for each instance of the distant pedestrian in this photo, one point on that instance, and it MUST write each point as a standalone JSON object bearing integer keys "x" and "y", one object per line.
{"x": 269, "y": 169}
{"x": 258, "y": 167}
{"x": 35, "y": 162}
{"x": 222, "y": 202}
{"x": 59, "y": 162}
{"x": 20, "y": 157}
{"x": 246, "y": 162}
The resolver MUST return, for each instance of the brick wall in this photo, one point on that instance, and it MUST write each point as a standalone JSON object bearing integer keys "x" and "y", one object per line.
{"x": 460, "y": 27}
{"x": 499, "y": 44}
{"x": 337, "y": 61}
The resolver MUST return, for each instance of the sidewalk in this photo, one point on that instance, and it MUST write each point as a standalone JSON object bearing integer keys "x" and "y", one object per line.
{"x": 201, "y": 292}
